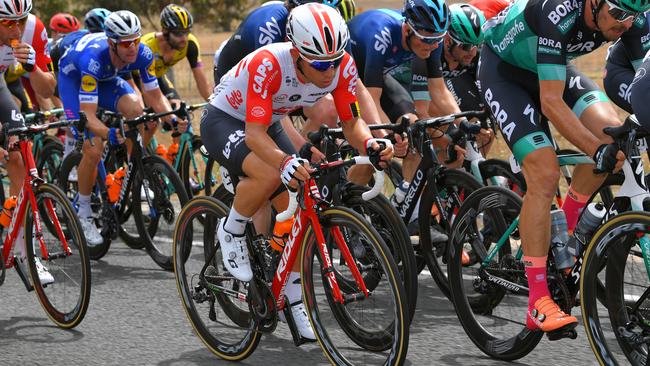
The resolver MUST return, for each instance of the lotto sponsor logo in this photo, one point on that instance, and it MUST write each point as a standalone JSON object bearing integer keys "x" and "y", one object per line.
{"x": 562, "y": 10}
{"x": 509, "y": 37}
{"x": 258, "y": 112}
{"x": 88, "y": 84}
{"x": 235, "y": 99}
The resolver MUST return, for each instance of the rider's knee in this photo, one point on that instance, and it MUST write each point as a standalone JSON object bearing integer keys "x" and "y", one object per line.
{"x": 542, "y": 173}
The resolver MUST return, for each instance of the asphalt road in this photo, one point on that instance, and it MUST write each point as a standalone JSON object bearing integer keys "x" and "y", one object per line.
{"x": 135, "y": 318}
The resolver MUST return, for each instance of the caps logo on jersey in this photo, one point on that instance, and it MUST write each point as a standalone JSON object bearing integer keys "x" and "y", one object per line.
{"x": 88, "y": 83}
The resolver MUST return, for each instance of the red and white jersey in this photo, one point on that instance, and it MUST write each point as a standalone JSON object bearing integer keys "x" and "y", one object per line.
{"x": 264, "y": 87}
{"x": 35, "y": 35}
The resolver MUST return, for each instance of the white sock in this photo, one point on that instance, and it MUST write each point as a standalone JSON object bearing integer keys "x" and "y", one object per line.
{"x": 70, "y": 142}
{"x": 84, "y": 207}
{"x": 236, "y": 222}
{"x": 293, "y": 290}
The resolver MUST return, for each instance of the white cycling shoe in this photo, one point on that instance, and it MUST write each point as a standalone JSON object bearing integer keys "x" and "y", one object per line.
{"x": 234, "y": 253}
{"x": 44, "y": 274}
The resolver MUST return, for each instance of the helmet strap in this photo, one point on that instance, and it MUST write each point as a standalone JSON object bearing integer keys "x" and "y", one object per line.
{"x": 409, "y": 36}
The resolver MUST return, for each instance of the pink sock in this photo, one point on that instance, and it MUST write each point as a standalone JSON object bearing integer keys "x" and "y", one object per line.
{"x": 573, "y": 205}
{"x": 536, "y": 273}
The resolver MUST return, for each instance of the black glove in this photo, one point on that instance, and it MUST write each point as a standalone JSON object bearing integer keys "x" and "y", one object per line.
{"x": 305, "y": 151}
{"x": 605, "y": 158}
{"x": 469, "y": 128}
{"x": 458, "y": 137}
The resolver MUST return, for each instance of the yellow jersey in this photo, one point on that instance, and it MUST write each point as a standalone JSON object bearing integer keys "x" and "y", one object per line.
{"x": 191, "y": 52}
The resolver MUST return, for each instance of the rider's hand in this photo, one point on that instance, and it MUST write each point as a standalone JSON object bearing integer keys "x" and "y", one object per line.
{"x": 294, "y": 168}
{"x": 460, "y": 158}
{"x": 608, "y": 159}
{"x": 401, "y": 146}
{"x": 311, "y": 153}
{"x": 115, "y": 137}
{"x": 484, "y": 137}
{"x": 25, "y": 54}
{"x": 182, "y": 125}
{"x": 385, "y": 155}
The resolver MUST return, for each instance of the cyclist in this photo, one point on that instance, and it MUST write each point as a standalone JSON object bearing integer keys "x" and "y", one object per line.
{"x": 23, "y": 40}
{"x": 533, "y": 41}
{"x": 348, "y": 9}
{"x": 89, "y": 78}
{"x": 490, "y": 8}
{"x": 62, "y": 24}
{"x": 173, "y": 44}
{"x": 639, "y": 89}
{"x": 242, "y": 122}
{"x": 619, "y": 73}
{"x": 94, "y": 19}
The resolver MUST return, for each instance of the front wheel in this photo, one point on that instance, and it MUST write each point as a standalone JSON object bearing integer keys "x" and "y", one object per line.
{"x": 158, "y": 196}
{"x": 615, "y": 257}
{"x": 377, "y": 324}
{"x": 63, "y": 252}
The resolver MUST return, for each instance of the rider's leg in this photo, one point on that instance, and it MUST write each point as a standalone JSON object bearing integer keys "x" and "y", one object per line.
{"x": 584, "y": 182}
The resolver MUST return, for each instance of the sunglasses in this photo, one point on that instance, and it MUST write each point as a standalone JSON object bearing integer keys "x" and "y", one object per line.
{"x": 427, "y": 39}
{"x": 10, "y": 23}
{"x": 323, "y": 65}
{"x": 179, "y": 33}
{"x": 621, "y": 15}
{"x": 128, "y": 43}
{"x": 467, "y": 47}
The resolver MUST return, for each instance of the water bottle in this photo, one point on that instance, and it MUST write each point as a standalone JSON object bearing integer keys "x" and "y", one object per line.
{"x": 560, "y": 239}
{"x": 400, "y": 193}
{"x": 592, "y": 216}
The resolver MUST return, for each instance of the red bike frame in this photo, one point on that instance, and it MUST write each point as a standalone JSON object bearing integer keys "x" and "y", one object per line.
{"x": 32, "y": 180}
{"x": 293, "y": 246}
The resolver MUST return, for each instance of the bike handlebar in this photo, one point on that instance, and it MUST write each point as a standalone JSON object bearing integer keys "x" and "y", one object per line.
{"x": 361, "y": 160}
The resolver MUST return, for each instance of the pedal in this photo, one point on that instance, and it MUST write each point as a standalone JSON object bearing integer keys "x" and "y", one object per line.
{"x": 567, "y": 331}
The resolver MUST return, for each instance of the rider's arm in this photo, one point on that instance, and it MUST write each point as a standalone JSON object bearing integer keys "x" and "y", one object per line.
{"x": 442, "y": 101}
{"x": 42, "y": 78}
{"x": 152, "y": 95}
{"x": 635, "y": 41}
{"x": 194, "y": 58}
{"x": 42, "y": 82}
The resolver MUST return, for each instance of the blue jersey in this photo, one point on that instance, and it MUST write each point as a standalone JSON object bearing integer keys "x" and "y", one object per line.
{"x": 57, "y": 48}
{"x": 376, "y": 44}
{"x": 263, "y": 26}
{"x": 87, "y": 62}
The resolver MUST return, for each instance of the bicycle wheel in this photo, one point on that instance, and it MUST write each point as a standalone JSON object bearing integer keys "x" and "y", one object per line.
{"x": 223, "y": 195}
{"x": 155, "y": 207}
{"x": 212, "y": 177}
{"x": 219, "y": 319}
{"x": 497, "y": 172}
{"x": 70, "y": 187}
{"x": 192, "y": 177}
{"x": 488, "y": 302}
{"x": 453, "y": 186}
{"x": 49, "y": 162}
{"x": 383, "y": 216}
{"x": 614, "y": 257}
{"x": 378, "y": 324}
{"x": 66, "y": 300}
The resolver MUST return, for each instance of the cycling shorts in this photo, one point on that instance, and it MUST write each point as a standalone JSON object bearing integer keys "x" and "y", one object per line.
{"x": 512, "y": 94}
{"x": 617, "y": 82}
{"x": 109, "y": 93}
{"x": 226, "y": 143}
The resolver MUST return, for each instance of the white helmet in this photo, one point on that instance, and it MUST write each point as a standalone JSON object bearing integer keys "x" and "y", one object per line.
{"x": 317, "y": 30}
{"x": 122, "y": 23}
{"x": 15, "y": 9}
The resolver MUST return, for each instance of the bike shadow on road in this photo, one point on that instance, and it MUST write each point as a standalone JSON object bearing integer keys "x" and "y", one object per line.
{"x": 21, "y": 330}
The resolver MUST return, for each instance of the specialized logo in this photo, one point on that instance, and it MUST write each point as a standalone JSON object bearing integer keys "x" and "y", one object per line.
{"x": 88, "y": 84}
{"x": 383, "y": 40}
{"x": 295, "y": 97}
{"x": 260, "y": 76}
{"x": 235, "y": 99}
{"x": 509, "y": 37}
{"x": 269, "y": 32}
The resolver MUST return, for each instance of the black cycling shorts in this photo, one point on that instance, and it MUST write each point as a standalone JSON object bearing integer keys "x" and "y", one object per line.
{"x": 223, "y": 137}
{"x": 512, "y": 94}
{"x": 617, "y": 82}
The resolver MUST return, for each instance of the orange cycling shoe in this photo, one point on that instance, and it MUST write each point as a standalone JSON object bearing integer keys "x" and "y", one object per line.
{"x": 547, "y": 316}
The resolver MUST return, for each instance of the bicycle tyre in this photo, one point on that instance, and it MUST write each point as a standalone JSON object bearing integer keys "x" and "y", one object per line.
{"x": 163, "y": 180}
{"x": 395, "y": 335}
{"x": 462, "y": 184}
{"x": 71, "y": 229}
{"x": 186, "y": 167}
{"x": 492, "y": 168}
{"x": 211, "y": 209}
{"x": 49, "y": 163}
{"x": 608, "y": 251}
{"x": 500, "y": 205}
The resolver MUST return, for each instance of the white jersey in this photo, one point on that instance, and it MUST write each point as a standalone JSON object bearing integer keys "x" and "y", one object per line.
{"x": 264, "y": 87}
{"x": 35, "y": 35}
